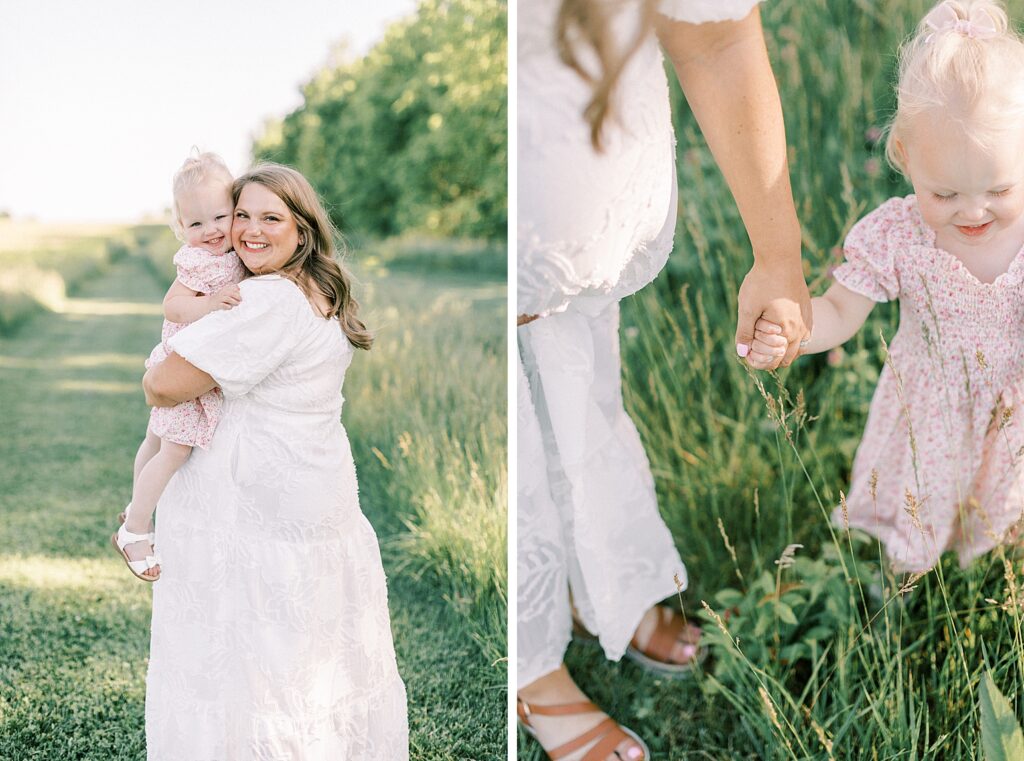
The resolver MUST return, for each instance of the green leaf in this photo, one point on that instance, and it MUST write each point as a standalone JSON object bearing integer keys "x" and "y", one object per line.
{"x": 1001, "y": 736}
{"x": 785, "y": 613}
{"x": 729, "y": 598}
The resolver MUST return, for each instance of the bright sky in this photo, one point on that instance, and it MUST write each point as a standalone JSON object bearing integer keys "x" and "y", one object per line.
{"x": 101, "y": 101}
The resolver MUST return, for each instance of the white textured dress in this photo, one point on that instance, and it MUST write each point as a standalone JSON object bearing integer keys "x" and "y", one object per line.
{"x": 592, "y": 228}
{"x": 271, "y": 638}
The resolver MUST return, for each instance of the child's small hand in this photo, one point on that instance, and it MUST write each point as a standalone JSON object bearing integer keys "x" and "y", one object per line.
{"x": 768, "y": 345}
{"x": 226, "y": 298}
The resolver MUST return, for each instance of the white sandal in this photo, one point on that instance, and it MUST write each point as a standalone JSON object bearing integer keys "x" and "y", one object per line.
{"x": 122, "y": 538}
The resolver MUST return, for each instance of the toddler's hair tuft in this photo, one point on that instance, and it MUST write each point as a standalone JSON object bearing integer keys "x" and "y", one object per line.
{"x": 965, "y": 62}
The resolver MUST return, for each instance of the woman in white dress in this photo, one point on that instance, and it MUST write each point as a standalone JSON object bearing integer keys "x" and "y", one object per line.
{"x": 597, "y": 210}
{"x": 271, "y": 637}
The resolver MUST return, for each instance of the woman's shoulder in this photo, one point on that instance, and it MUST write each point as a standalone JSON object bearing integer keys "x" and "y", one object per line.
{"x": 278, "y": 292}
{"x": 271, "y": 286}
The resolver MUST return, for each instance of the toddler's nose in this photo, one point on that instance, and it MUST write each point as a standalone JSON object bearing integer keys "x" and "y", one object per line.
{"x": 974, "y": 212}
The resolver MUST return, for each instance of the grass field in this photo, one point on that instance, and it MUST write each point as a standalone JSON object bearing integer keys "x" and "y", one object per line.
{"x": 832, "y": 662}
{"x": 430, "y": 452}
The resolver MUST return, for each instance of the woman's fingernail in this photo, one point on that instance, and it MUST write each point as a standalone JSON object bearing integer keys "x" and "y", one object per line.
{"x": 635, "y": 752}
{"x": 742, "y": 349}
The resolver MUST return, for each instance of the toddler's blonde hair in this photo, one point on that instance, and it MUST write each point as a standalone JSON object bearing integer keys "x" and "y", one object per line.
{"x": 975, "y": 81}
{"x": 197, "y": 169}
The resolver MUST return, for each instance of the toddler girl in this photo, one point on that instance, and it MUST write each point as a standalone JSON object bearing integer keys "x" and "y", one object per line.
{"x": 207, "y": 276}
{"x": 939, "y": 466}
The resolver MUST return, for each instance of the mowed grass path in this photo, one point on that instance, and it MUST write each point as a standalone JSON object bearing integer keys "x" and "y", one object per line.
{"x": 74, "y": 624}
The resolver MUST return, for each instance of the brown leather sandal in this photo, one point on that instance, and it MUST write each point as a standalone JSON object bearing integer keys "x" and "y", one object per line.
{"x": 656, "y": 654}
{"x": 608, "y": 733}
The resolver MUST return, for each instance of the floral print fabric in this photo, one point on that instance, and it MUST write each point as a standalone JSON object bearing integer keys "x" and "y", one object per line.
{"x": 193, "y": 422}
{"x": 939, "y": 465}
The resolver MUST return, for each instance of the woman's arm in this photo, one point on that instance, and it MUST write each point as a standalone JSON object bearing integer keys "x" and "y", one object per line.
{"x": 174, "y": 381}
{"x": 182, "y": 304}
{"x": 727, "y": 78}
{"x": 838, "y": 315}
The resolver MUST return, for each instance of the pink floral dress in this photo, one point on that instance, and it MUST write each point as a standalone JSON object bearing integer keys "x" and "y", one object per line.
{"x": 193, "y": 422}
{"x": 939, "y": 465}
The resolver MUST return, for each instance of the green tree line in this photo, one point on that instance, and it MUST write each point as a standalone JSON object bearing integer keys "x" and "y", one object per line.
{"x": 413, "y": 136}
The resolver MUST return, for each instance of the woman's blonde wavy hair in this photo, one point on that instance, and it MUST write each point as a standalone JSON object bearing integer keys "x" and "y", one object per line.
{"x": 589, "y": 23}
{"x": 316, "y": 261}
{"x": 976, "y": 82}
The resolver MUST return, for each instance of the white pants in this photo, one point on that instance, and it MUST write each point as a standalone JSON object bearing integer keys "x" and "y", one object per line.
{"x": 588, "y": 521}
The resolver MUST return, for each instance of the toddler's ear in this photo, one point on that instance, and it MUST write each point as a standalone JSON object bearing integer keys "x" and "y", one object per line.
{"x": 901, "y": 154}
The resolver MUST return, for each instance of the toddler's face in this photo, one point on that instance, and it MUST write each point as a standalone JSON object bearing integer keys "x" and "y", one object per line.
{"x": 206, "y": 211}
{"x": 970, "y": 196}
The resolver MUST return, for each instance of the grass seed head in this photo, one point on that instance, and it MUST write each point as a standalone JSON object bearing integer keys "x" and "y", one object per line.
{"x": 786, "y": 559}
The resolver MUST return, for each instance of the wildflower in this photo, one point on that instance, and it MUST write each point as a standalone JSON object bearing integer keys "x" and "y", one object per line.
{"x": 871, "y": 136}
{"x": 872, "y": 167}
{"x": 835, "y": 357}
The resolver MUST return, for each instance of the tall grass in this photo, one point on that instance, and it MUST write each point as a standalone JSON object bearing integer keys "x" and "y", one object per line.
{"x": 440, "y": 446}
{"x": 41, "y": 265}
{"x": 820, "y": 650}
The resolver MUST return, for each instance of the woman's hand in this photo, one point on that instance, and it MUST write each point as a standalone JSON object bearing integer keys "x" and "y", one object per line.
{"x": 727, "y": 78}
{"x": 773, "y": 294}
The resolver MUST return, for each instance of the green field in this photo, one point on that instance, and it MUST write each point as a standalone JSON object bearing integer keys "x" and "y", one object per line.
{"x": 832, "y": 661}
{"x": 429, "y": 441}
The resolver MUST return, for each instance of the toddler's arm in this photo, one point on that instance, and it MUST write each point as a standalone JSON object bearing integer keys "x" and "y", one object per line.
{"x": 182, "y": 304}
{"x": 838, "y": 315}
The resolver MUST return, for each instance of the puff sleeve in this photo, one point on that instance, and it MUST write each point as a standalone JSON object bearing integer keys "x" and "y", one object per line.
{"x": 871, "y": 250}
{"x": 703, "y": 11}
{"x": 205, "y": 272}
{"x": 240, "y": 347}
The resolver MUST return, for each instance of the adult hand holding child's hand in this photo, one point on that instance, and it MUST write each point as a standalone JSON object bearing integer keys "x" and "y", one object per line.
{"x": 774, "y": 295}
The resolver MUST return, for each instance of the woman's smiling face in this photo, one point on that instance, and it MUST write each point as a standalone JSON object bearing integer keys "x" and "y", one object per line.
{"x": 264, "y": 232}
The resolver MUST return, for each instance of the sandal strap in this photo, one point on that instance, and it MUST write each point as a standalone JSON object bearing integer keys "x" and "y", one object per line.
{"x": 126, "y": 537}
{"x": 604, "y": 728}
{"x": 525, "y": 710}
{"x": 664, "y": 637}
{"x": 609, "y": 742}
{"x": 141, "y": 566}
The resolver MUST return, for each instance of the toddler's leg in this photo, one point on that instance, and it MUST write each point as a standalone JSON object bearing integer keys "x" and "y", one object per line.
{"x": 150, "y": 483}
{"x": 147, "y": 449}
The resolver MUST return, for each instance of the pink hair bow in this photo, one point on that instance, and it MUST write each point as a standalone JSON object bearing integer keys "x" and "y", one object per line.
{"x": 944, "y": 18}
